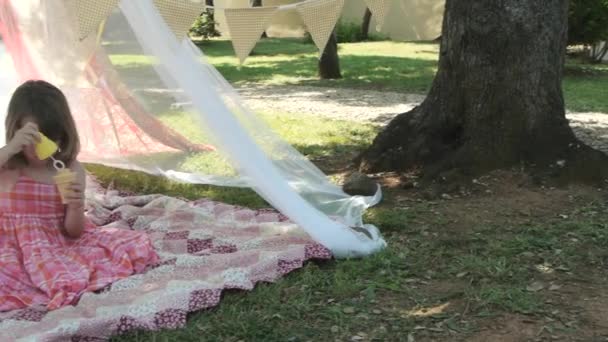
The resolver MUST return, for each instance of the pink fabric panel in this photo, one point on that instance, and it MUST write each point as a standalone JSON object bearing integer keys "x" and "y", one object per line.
{"x": 12, "y": 38}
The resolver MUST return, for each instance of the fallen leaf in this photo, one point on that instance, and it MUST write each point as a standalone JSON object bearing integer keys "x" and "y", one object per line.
{"x": 461, "y": 274}
{"x": 348, "y": 310}
{"x": 334, "y": 329}
{"x": 554, "y": 287}
{"x": 377, "y": 312}
{"x": 535, "y": 286}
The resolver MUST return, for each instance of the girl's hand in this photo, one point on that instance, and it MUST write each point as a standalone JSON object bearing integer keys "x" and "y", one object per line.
{"x": 75, "y": 197}
{"x": 25, "y": 136}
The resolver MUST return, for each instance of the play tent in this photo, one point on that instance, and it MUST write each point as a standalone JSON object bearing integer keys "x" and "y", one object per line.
{"x": 145, "y": 98}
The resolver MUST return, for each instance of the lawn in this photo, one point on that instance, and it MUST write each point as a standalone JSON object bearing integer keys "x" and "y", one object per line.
{"x": 501, "y": 259}
{"x": 321, "y": 140}
{"x": 475, "y": 267}
{"x": 395, "y": 66}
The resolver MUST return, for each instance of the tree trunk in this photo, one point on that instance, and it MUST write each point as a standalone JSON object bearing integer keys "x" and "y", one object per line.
{"x": 258, "y": 3}
{"x": 496, "y": 100}
{"x": 329, "y": 64}
{"x": 367, "y": 18}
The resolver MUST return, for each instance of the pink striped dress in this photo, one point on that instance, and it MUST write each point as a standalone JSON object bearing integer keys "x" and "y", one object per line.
{"x": 40, "y": 266}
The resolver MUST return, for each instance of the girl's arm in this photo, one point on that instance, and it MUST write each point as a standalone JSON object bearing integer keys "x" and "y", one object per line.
{"x": 25, "y": 136}
{"x": 6, "y": 153}
{"x": 74, "y": 222}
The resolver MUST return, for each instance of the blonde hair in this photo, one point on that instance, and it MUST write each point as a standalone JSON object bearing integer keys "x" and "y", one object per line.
{"x": 48, "y": 106}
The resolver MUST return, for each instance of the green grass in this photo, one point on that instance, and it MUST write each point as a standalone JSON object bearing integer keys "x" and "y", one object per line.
{"x": 388, "y": 294}
{"x": 435, "y": 281}
{"x": 317, "y": 138}
{"x": 379, "y": 65}
{"x": 397, "y": 66}
{"x": 585, "y": 86}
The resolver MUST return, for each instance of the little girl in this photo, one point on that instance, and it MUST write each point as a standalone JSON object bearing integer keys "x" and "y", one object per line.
{"x": 50, "y": 254}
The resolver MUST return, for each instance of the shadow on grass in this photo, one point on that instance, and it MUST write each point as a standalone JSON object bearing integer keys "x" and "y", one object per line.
{"x": 587, "y": 71}
{"x": 332, "y": 158}
{"x": 301, "y": 64}
{"x": 583, "y": 85}
{"x": 329, "y": 157}
{"x": 267, "y": 47}
{"x": 143, "y": 183}
{"x": 369, "y": 72}
{"x": 360, "y": 72}
{"x": 291, "y": 61}
{"x": 298, "y": 65}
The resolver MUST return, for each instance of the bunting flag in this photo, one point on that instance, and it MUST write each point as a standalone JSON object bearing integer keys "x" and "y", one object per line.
{"x": 379, "y": 9}
{"x": 180, "y": 14}
{"x": 320, "y": 18}
{"x": 246, "y": 26}
{"x": 90, "y": 14}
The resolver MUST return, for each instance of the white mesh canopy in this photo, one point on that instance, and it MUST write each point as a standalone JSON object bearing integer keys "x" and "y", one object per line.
{"x": 145, "y": 100}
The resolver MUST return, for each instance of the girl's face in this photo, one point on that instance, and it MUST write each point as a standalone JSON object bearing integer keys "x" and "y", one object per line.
{"x": 30, "y": 151}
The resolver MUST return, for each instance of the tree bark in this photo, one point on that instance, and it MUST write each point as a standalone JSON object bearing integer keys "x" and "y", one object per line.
{"x": 329, "y": 64}
{"x": 496, "y": 100}
{"x": 367, "y": 18}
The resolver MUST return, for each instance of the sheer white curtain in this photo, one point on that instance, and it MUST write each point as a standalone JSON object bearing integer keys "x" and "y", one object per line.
{"x": 199, "y": 82}
{"x": 122, "y": 85}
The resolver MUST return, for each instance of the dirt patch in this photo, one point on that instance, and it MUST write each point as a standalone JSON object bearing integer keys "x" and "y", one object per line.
{"x": 596, "y": 311}
{"x": 508, "y": 328}
{"x": 500, "y": 198}
{"x": 584, "y": 303}
{"x": 576, "y": 308}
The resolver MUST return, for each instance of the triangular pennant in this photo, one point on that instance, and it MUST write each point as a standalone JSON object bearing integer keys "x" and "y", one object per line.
{"x": 379, "y": 9}
{"x": 320, "y": 18}
{"x": 90, "y": 14}
{"x": 246, "y": 26}
{"x": 180, "y": 14}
